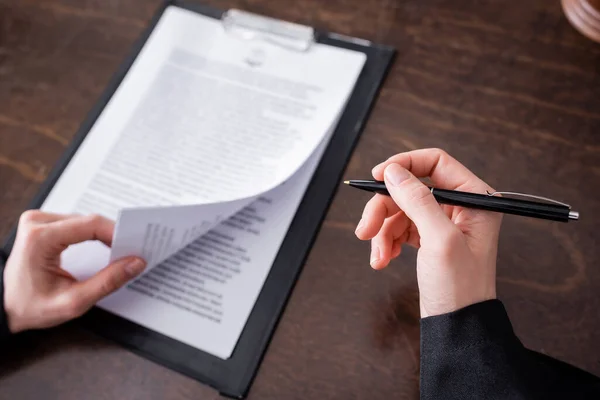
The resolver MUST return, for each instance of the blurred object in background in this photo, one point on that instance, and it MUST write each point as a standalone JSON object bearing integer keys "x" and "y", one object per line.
{"x": 584, "y": 15}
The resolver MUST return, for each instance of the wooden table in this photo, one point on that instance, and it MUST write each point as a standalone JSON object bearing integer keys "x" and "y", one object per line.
{"x": 509, "y": 88}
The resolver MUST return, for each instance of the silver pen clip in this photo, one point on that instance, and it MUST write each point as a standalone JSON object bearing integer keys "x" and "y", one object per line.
{"x": 528, "y": 197}
{"x": 572, "y": 214}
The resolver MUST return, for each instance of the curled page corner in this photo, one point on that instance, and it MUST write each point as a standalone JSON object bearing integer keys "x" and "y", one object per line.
{"x": 157, "y": 233}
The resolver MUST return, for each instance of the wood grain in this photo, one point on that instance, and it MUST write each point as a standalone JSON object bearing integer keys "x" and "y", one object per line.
{"x": 511, "y": 90}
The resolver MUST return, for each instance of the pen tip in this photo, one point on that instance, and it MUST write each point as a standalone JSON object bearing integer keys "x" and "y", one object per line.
{"x": 347, "y": 182}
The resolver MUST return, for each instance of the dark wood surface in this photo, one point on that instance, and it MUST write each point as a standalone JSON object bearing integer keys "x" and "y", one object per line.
{"x": 509, "y": 88}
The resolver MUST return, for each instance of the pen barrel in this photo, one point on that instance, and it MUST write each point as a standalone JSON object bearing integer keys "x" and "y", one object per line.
{"x": 554, "y": 212}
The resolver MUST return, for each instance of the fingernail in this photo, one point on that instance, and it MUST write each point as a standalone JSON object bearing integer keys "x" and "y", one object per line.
{"x": 135, "y": 267}
{"x": 374, "y": 255}
{"x": 359, "y": 226}
{"x": 395, "y": 174}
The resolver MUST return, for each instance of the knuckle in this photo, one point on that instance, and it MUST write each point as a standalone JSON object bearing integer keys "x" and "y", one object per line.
{"x": 437, "y": 152}
{"x": 29, "y": 216}
{"x": 108, "y": 287}
{"x": 440, "y": 152}
{"x": 94, "y": 219}
{"x": 32, "y": 234}
{"x": 370, "y": 207}
{"x": 419, "y": 195}
{"x": 69, "y": 307}
{"x": 112, "y": 283}
{"x": 442, "y": 157}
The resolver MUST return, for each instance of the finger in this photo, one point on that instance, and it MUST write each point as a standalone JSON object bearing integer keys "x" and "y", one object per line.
{"x": 445, "y": 171}
{"x": 413, "y": 239}
{"x": 397, "y": 247}
{"x": 393, "y": 228}
{"x": 376, "y": 211}
{"x": 83, "y": 295}
{"x": 47, "y": 218}
{"x": 396, "y": 250}
{"x": 41, "y": 217}
{"x": 416, "y": 200}
{"x": 79, "y": 229}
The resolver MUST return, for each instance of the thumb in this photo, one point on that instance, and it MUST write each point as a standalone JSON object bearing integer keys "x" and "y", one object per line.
{"x": 417, "y": 202}
{"x": 87, "y": 293}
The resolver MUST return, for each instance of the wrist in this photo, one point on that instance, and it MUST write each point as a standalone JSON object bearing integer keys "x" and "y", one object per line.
{"x": 431, "y": 308}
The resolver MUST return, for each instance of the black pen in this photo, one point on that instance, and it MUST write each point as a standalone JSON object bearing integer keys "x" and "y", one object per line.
{"x": 548, "y": 209}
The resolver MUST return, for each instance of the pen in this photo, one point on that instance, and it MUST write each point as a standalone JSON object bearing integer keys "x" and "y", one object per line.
{"x": 549, "y": 209}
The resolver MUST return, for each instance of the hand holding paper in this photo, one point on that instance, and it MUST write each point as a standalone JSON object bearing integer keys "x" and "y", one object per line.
{"x": 37, "y": 292}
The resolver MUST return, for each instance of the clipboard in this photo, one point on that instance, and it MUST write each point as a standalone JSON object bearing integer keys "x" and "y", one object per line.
{"x": 234, "y": 376}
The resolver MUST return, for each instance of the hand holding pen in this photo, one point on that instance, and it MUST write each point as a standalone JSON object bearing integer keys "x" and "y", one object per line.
{"x": 456, "y": 261}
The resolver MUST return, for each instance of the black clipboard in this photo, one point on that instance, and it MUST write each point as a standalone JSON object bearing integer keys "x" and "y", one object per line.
{"x": 233, "y": 377}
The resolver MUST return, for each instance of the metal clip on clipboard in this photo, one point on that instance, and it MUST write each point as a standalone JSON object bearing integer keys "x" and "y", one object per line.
{"x": 249, "y": 26}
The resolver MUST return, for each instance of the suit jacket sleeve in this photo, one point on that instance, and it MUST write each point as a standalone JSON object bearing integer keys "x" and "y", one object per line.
{"x": 473, "y": 353}
{"x": 4, "y": 332}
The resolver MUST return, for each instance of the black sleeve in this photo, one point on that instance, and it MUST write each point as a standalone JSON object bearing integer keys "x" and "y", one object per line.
{"x": 473, "y": 353}
{"x": 4, "y": 332}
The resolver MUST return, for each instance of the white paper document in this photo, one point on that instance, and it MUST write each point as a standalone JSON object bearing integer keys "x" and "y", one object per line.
{"x": 202, "y": 157}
